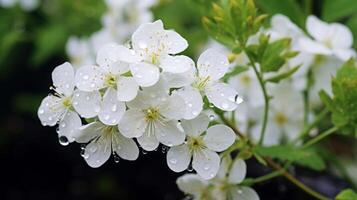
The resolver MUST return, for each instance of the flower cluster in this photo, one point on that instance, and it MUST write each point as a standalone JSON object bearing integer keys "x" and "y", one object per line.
{"x": 26, "y": 5}
{"x": 120, "y": 20}
{"x": 321, "y": 52}
{"x": 144, "y": 94}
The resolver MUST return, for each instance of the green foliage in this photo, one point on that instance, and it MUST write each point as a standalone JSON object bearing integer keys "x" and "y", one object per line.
{"x": 352, "y": 24}
{"x": 277, "y": 78}
{"x": 289, "y": 8}
{"x": 234, "y": 72}
{"x": 347, "y": 194}
{"x": 338, "y": 9}
{"x": 232, "y": 22}
{"x": 271, "y": 56}
{"x": 303, "y": 157}
{"x": 343, "y": 105}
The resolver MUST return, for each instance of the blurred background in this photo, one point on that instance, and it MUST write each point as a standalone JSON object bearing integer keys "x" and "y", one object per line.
{"x": 34, "y": 39}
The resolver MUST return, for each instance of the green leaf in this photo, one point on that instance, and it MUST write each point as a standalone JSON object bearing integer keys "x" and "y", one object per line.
{"x": 275, "y": 55}
{"x": 236, "y": 70}
{"x": 344, "y": 102}
{"x": 49, "y": 41}
{"x": 303, "y": 157}
{"x": 352, "y": 24}
{"x": 279, "y": 77}
{"x": 289, "y": 8}
{"x": 337, "y": 9}
{"x": 347, "y": 194}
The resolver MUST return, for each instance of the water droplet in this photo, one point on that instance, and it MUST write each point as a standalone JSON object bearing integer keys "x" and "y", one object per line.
{"x": 211, "y": 105}
{"x": 144, "y": 152}
{"x": 212, "y": 117}
{"x": 92, "y": 85}
{"x": 238, "y": 99}
{"x": 87, "y": 98}
{"x": 195, "y": 113}
{"x": 57, "y": 130}
{"x": 173, "y": 161}
{"x": 189, "y": 105}
{"x": 239, "y": 191}
{"x": 93, "y": 149}
{"x": 41, "y": 111}
{"x": 96, "y": 109}
{"x": 106, "y": 117}
{"x": 114, "y": 108}
{"x": 85, "y": 77}
{"x": 63, "y": 140}
{"x": 50, "y": 118}
{"x": 114, "y": 121}
{"x": 164, "y": 149}
{"x": 83, "y": 146}
{"x": 206, "y": 167}
{"x": 116, "y": 158}
{"x": 77, "y": 95}
{"x": 63, "y": 125}
{"x": 75, "y": 103}
{"x": 142, "y": 45}
{"x": 222, "y": 94}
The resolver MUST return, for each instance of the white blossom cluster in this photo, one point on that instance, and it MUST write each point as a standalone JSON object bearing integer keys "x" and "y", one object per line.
{"x": 26, "y": 5}
{"x": 144, "y": 95}
{"x": 119, "y": 21}
{"x": 321, "y": 53}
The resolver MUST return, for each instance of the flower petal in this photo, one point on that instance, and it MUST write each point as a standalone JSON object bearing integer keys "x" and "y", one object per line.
{"x": 213, "y": 64}
{"x": 342, "y": 36}
{"x": 238, "y": 171}
{"x": 219, "y": 137}
{"x": 127, "y": 88}
{"x": 176, "y": 64}
{"x": 63, "y": 79}
{"x": 98, "y": 151}
{"x": 206, "y": 163}
{"x": 196, "y": 126}
{"x": 168, "y": 133}
{"x": 90, "y": 78}
{"x": 193, "y": 101}
{"x": 146, "y": 35}
{"x": 191, "y": 184}
{"x": 173, "y": 106}
{"x": 126, "y": 148}
{"x": 177, "y": 80}
{"x": 145, "y": 74}
{"x": 317, "y": 28}
{"x": 50, "y": 110}
{"x": 133, "y": 123}
{"x": 112, "y": 110}
{"x": 243, "y": 193}
{"x": 88, "y": 132}
{"x": 69, "y": 125}
{"x": 175, "y": 43}
{"x": 344, "y": 54}
{"x": 223, "y": 96}
{"x": 148, "y": 141}
{"x": 178, "y": 158}
{"x": 87, "y": 104}
{"x": 314, "y": 47}
{"x": 112, "y": 54}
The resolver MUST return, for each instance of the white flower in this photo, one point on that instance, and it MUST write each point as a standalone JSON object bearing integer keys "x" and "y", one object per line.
{"x": 152, "y": 118}
{"x": 154, "y": 48}
{"x": 79, "y": 51}
{"x": 224, "y": 186}
{"x": 286, "y": 115}
{"x": 226, "y": 183}
{"x": 202, "y": 147}
{"x": 58, "y": 108}
{"x": 103, "y": 141}
{"x": 195, "y": 186}
{"x": 211, "y": 66}
{"x": 329, "y": 39}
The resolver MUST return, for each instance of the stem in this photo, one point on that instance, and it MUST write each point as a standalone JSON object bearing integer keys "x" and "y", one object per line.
{"x": 320, "y": 137}
{"x": 266, "y": 100}
{"x": 296, "y": 182}
{"x": 308, "y": 6}
{"x": 306, "y": 131}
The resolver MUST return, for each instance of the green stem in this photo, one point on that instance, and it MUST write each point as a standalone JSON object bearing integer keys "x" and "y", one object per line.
{"x": 317, "y": 120}
{"x": 320, "y": 137}
{"x": 266, "y": 99}
{"x": 308, "y": 7}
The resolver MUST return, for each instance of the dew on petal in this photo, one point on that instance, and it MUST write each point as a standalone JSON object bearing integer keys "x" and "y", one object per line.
{"x": 63, "y": 140}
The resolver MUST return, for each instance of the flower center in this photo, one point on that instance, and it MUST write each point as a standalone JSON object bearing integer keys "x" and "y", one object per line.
{"x": 152, "y": 114}
{"x": 195, "y": 143}
{"x": 280, "y": 118}
{"x": 108, "y": 131}
{"x": 201, "y": 82}
{"x": 110, "y": 80}
{"x": 67, "y": 102}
